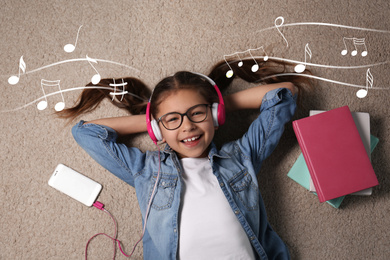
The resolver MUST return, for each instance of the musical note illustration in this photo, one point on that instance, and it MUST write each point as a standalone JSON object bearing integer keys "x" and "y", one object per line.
{"x": 13, "y": 80}
{"x": 230, "y": 72}
{"x": 70, "y": 47}
{"x": 95, "y": 78}
{"x": 362, "y": 93}
{"x": 254, "y": 68}
{"x": 240, "y": 63}
{"x": 302, "y": 66}
{"x": 356, "y": 42}
{"x": 123, "y": 84}
{"x": 278, "y": 25}
{"x": 43, "y": 104}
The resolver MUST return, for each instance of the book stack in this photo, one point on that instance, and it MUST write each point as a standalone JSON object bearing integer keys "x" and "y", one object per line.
{"x": 335, "y": 160}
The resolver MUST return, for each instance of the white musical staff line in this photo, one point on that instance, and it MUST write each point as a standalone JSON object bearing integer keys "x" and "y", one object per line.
{"x": 317, "y": 65}
{"x": 81, "y": 59}
{"x": 68, "y": 90}
{"x": 323, "y": 24}
{"x": 322, "y": 79}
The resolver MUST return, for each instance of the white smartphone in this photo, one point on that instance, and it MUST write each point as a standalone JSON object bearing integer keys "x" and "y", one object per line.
{"x": 75, "y": 185}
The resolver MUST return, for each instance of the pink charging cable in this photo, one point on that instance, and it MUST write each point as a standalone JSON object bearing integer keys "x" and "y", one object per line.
{"x": 114, "y": 239}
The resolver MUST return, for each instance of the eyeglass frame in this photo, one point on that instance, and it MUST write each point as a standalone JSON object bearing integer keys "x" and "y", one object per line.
{"x": 182, "y": 116}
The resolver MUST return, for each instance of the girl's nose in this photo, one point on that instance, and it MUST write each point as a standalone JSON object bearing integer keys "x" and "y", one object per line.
{"x": 187, "y": 125}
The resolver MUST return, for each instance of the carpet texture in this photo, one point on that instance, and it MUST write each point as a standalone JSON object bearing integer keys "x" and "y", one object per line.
{"x": 153, "y": 39}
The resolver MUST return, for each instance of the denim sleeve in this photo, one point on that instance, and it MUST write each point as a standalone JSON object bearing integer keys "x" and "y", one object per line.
{"x": 277, "y": 108}
{"x": 100, "y": 143}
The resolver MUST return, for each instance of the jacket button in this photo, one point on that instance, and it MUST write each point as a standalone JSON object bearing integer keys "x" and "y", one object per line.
{"x": 236, "y": 212}
{"x": 221, "y": 184}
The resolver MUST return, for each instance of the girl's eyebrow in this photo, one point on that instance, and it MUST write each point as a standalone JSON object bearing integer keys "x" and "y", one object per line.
{"x": 183, "y": 112}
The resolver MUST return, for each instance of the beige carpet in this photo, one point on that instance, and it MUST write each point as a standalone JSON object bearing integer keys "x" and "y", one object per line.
{"x": 153, "y": 39}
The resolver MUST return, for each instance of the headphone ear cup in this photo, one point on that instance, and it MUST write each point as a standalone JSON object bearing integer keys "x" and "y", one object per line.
{"x": 156, "y": 130}
{"x": 221, "y": 114}
{"x": 218, "y": 111}
{"x": 214, "y": 112}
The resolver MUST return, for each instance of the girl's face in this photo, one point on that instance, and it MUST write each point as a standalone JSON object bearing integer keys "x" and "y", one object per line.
{"x": 181, "y": 139}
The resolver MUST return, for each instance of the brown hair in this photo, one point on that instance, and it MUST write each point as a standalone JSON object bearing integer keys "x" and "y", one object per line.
{"x": 136, "y": 100}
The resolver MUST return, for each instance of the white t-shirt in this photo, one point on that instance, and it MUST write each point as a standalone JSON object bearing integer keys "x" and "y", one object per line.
{"x": 208, "y": 227}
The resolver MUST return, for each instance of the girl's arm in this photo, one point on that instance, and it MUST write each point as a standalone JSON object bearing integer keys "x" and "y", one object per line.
{"x": 246, "y": 99}
{"x": 277, "y": 108}
{"x": 252, "y": 98}
{"x": 123, "y": 125}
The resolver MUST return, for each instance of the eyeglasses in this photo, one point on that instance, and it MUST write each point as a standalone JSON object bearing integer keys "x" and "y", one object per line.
{"x": 195, "y": 114}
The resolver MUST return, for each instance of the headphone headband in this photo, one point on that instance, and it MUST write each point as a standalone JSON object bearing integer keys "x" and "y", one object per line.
{"x": 206, "y": 77}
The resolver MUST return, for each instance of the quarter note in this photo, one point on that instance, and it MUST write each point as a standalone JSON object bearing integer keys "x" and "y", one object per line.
{"x": 43, "y": 104}
{"x": 113, "y": 94}
{"x": 362, "y": 93}
{"x": 13, "y": 80}
{"x": 70, "y": 47}
{"x": 95, "y": 78}
{"x": 302, "y": 66}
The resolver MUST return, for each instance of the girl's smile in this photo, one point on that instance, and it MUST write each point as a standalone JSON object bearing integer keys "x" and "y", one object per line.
{"x": 191, "y": 139}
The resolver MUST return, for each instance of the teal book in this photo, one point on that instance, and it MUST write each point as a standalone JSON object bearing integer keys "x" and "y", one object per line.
{"x": 300, "y": 173}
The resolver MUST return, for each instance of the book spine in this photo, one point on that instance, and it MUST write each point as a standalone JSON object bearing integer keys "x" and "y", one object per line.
{"x": 308, "y": 161}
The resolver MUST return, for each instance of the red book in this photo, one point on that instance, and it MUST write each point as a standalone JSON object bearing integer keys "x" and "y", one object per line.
{"x": 334, "y": 153}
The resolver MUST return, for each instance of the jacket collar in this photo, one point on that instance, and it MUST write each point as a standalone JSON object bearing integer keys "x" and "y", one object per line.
{"x": 217, "y": 153}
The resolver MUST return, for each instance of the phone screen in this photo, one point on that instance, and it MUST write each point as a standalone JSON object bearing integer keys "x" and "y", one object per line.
{"x": 75, "y": 185}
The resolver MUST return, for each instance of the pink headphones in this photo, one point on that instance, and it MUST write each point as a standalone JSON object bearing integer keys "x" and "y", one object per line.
{"x": 218, "y": 113}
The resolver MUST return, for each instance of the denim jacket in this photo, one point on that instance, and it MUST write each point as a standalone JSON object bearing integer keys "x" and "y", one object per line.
{"x": 235, "y": 166}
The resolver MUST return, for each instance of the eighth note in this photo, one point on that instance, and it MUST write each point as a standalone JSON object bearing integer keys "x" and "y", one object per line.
{"x": 254, "y": 68}
{"x": 95, "y": 78}
{"x": 70, "y": 47}
{"x": 302, "y": 66}
{"x": 362, "y": 93}
{"x": 13, "y": 80}
{"x": 43, "y": 104}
